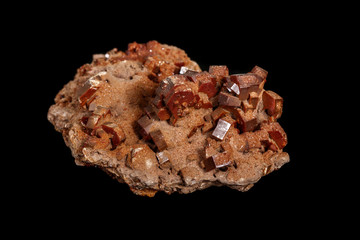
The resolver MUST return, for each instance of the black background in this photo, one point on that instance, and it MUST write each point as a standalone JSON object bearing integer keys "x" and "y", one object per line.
{"x": 58, "y": 42}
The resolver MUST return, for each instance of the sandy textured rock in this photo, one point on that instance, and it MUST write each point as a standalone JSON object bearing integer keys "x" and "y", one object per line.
{"x": 98, "y": 112}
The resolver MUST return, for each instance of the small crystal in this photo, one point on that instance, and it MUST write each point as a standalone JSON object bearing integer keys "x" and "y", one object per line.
{"x": 221, "y": 129}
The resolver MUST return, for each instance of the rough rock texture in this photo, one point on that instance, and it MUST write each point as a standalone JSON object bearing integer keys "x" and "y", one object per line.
{"x": 150, "y": 118}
